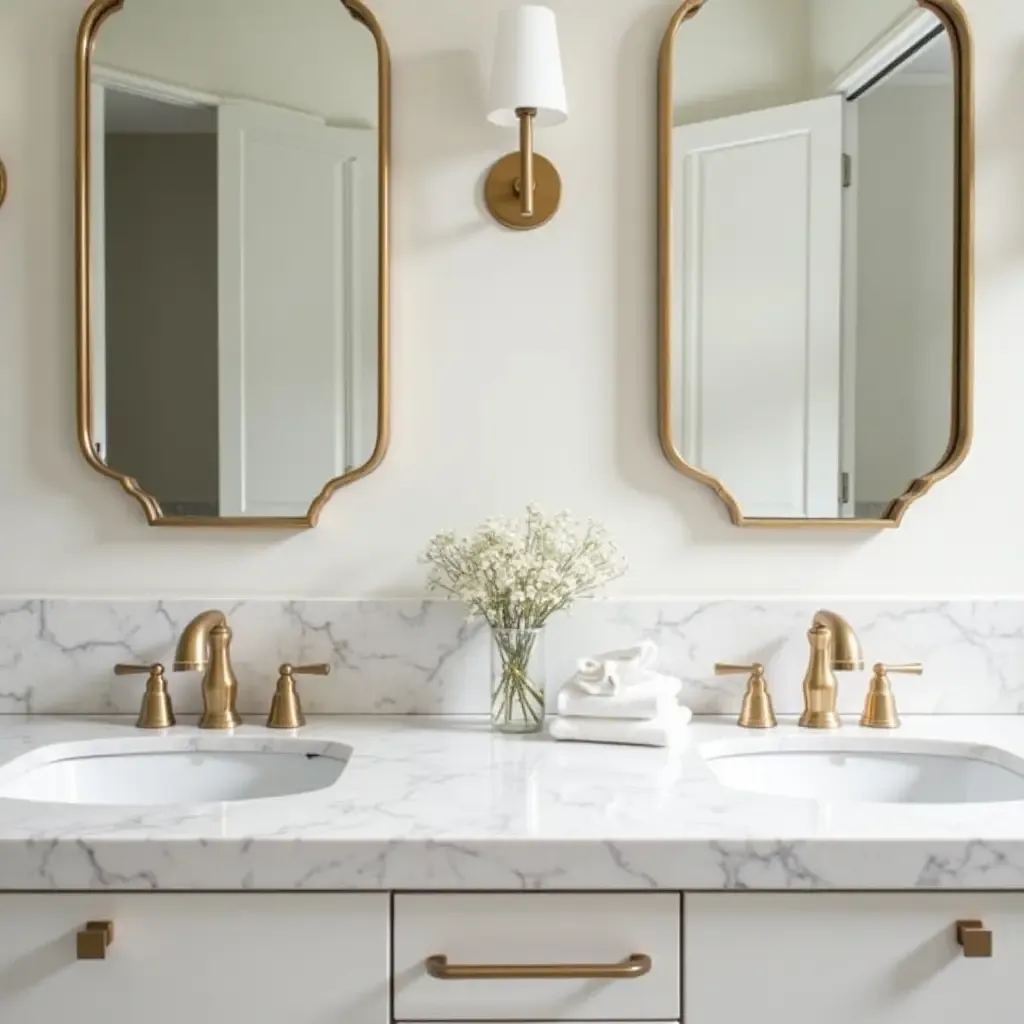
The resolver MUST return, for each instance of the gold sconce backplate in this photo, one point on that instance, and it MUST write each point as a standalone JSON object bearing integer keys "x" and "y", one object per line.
{"x": 502, "y": 192}
{"x": 3, "y": 183}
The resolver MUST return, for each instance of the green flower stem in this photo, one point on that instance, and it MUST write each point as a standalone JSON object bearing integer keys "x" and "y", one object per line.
{"x": 515, "y": 687}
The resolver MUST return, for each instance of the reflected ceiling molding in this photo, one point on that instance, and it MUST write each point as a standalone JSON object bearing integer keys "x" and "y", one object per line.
{"x": 97, "y": 13}
{"x": 951, "y": 15}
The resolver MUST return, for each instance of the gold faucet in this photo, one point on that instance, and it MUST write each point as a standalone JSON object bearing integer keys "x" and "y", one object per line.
{"x": 834, "y": 647}
{"x": 205, "y": 646}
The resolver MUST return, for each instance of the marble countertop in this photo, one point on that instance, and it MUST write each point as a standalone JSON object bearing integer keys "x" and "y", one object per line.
{"x": 443, "y": 804}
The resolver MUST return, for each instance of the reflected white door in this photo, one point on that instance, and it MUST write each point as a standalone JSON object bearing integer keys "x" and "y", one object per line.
{"x": 758, "y": 301}
{"x": 298, "y": 273}
{"x": 98, "y": 263}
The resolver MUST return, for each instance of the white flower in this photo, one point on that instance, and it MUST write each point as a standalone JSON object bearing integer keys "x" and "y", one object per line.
{"x": 517, "y": 574}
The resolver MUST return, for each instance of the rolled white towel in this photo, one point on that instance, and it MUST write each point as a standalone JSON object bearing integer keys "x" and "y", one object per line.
{"x": 668, "y": 731}
{"x": 617, "y": 670}
{"x": 654, "y": 698}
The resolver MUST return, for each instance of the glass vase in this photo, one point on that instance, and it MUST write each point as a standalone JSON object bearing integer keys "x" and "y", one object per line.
{"x": 517, "y": 680}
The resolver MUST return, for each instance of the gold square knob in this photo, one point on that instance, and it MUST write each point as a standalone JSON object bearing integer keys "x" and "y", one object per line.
{"x": 974, "y": 938}
{"x": 94, "y": 940}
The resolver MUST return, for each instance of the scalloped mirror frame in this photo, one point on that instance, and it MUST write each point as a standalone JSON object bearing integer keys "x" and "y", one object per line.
{"x": 951, "y": 14}
{"x": 95, "y": 16}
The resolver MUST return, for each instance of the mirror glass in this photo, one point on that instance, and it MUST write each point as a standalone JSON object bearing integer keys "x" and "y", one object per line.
{"x": 812, "y": 357}
{"x": 236, "y": 343}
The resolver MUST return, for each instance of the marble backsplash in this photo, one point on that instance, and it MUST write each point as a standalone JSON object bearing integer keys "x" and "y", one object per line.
{"x": 421, "y": 657}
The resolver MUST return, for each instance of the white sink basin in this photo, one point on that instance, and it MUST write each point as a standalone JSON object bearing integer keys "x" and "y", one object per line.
{"x": 850, "y": 770}
{"x": 162, "y": 772}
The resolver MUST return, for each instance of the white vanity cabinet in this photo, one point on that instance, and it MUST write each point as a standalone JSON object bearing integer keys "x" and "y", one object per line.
{"x": 858, "y": 958}
{"x": 261, "y": 959}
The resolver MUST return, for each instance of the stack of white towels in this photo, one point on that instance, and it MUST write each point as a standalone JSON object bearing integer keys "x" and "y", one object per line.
{"x": 620, "y": 697}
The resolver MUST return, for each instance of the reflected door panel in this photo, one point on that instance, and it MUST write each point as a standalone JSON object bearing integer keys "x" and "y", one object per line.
{"x": 294, "y": 291}
{"x": 762, "y": 218}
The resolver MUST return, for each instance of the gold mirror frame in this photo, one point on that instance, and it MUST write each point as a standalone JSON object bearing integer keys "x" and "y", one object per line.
{"x": 95, "y": 16}
{"x": 951, "y": 14}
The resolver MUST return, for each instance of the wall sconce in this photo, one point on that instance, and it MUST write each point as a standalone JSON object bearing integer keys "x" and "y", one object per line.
{"x": 524, "y": 189}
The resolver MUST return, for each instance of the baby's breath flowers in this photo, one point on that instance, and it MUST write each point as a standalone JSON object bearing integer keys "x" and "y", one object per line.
{"x": 516, "y": 574}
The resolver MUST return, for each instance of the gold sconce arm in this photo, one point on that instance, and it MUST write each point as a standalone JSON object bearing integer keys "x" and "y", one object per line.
{"x": 523, "y": 190}
{"x": 527, "y": 185}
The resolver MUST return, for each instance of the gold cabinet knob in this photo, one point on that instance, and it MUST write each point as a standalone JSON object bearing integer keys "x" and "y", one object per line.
{"x": 974, "y": 938}
{"x": 880, "y": 707}
{"x": 286, "y": 708}
{"x": 156, "y": 712}
{"x": 94, "y": 940}
{"x": 757, "y": 712}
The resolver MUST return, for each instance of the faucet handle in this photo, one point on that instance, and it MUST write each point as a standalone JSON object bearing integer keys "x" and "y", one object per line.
{"x": 880, "y": 708}
{"x": 286, "y": 708}
{"x": 758, "y": 712}
{"x": 156, "y": 712}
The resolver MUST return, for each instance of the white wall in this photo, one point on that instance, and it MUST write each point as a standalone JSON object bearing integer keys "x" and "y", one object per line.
{"x": 905, "y": 318}
{"x": 741, "y": 55}
{"x": 524, "y": 365}
{"x": 843, "y": 29}
{"x": 308, "y": 55}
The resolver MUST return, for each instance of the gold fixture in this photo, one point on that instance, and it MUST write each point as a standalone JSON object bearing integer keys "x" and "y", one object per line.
{"x": 523, "y": 190}
{"x": 156, "y": 712}
{"x": 93, "y": 941}
{"x": 636, "y": 966}
{"x": 974, "y": 938}
{"x": 205, "y": 644}
{"x": 757, "y": 712}
{"x": 834, "y": 647}
{"x": 95, "y": 16}
{"x": 286, "y": 708}
{"x": 880, "y": 708}
{"x": 951, "y": 14}
{"x": 3, "y": 182}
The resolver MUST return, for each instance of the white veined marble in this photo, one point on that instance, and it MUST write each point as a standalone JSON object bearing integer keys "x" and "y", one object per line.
{"x": 421, "y": 657}
{"x": 443, "y": 804}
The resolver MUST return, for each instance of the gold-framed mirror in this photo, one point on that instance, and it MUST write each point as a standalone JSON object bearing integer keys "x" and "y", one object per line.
{"x": 232, "y": 254}
{"x": 816, "y": 175}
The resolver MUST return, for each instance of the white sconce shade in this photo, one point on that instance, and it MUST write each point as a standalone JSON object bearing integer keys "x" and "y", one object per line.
{"x": 528, "y": 68}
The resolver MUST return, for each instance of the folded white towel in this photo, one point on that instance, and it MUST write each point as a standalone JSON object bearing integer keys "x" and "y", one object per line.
{"x": 617, "y": 670}
{"x": 654, "y": 698}
{"x": 668, "y": 731}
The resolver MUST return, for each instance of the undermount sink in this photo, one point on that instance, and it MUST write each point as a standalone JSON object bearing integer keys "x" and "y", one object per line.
{"x": 150, "y": 773}
{"x": 852, "y": 770}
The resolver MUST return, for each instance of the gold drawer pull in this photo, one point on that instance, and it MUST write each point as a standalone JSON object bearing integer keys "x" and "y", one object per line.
{"x": 975, "y": 938}
{"x": 95, "y": 939}
{"x": 635, "y": 966}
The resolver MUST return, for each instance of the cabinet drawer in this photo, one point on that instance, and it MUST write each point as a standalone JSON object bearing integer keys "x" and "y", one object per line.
{"x": 299, "y": 959}
{"x": 861, "y": 958}
{"x": 569, "y": 955}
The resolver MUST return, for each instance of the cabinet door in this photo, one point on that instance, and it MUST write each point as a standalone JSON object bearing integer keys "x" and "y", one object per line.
{"x": 303, "y": 959}
{"x": 849, "y": 959}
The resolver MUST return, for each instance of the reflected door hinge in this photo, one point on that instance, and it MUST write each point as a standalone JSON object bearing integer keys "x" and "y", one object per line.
{"x": 844, "y": 488}
{"x": 847, "y": 171}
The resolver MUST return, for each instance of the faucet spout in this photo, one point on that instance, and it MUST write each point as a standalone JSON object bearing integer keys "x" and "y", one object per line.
{"x": 847, "y": 653}
{"x": 205, "y": 646}
{"x": 193, "y": 652}
{"x": 834, "y": 647}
